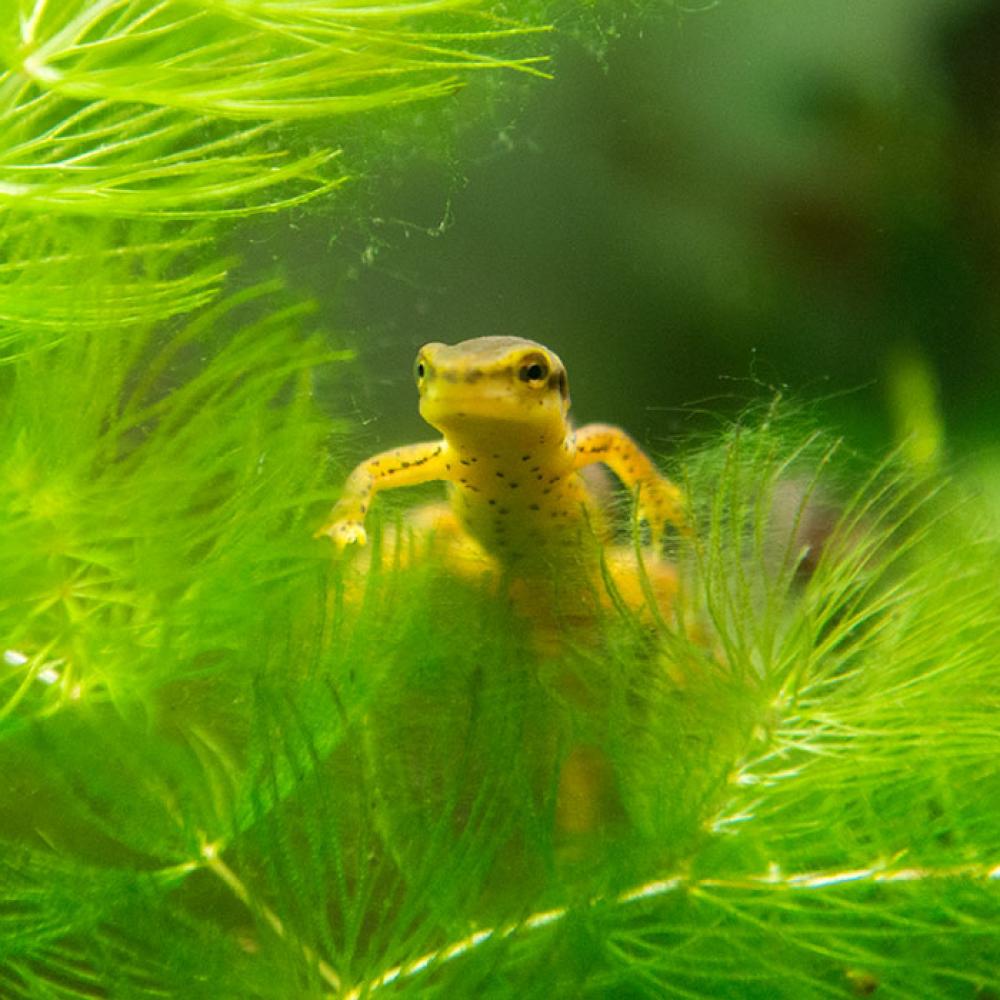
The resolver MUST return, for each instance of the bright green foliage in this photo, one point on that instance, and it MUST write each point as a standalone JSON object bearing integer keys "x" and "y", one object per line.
{"x": 258, "y": 58}
{"x": 169, "y": 109}
{"x": 179, "y": 111}
{"x": 125, "y": 503}
{"x": 234, "y": 768}
{"x": 334, "y": 780}
{"x": 78, "y": 278}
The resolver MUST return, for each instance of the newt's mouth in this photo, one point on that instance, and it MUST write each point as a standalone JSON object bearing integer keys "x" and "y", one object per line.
{"x": 477, "y": 403}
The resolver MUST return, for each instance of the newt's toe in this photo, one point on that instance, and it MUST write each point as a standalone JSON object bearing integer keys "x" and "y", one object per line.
{"x": 344, "y": 533}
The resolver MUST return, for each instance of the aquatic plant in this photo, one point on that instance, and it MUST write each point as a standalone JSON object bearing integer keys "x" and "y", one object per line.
{"x": 231, "y": 771}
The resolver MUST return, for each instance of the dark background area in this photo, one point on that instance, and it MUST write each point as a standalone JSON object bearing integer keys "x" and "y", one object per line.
{"x": 717, "y": 204}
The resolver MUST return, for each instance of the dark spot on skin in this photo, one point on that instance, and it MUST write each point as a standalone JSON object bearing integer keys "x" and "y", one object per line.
{"x": 540, "y": 477}
{"x": 463, "y": 480}
{"x": 534, "y": 506}
{"x": 376, "y": 463}
{"x": 493, "y": 502}
{"x": 447, "y": 467}
{"x": 362, "y": 508}
{"x": 513, "y": 486}
{"x": 554, "y": 513}
{"x": 524, "y": 458}
{"x": 496, "y": 454}
{"x": 465, "y": 461}
{"x": 554, "y": 480}
{"x": 404, "y": 465}
{"x": 534, "y": 468}
{"x": 473, "y": 375}
{"x": 499, "y": 474}
{"x": 502, "y": 510}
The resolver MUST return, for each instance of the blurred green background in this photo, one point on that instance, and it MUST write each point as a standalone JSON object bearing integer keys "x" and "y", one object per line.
{"x": 728, "y": 199}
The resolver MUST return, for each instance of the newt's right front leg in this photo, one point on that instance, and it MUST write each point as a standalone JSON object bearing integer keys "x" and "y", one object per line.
{"x": 409, "y": 466}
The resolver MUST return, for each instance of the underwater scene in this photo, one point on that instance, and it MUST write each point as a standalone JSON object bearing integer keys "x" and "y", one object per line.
{"x": 499, "y": 500}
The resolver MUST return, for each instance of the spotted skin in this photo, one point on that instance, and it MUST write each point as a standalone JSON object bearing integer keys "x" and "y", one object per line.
{"x": 407, "y": 466}
{"x": 660, "y": 501}
{"x": 510, "y": 456}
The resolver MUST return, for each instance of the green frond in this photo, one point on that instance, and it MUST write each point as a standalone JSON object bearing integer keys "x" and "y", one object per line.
{"x": 56, "y": 283}
{"x": 129, "y": 161}
{"x": 109, "y": 514}
{"x": 250, "y": 59}
{"x": 79, "y": 930}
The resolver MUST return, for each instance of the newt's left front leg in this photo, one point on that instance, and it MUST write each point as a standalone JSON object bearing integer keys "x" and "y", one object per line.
{"x": 660, "y": 501}
{"x": 408, "y": 466}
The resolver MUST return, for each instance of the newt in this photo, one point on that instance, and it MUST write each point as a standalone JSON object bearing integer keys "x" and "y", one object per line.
{"x": 523, "y": 513}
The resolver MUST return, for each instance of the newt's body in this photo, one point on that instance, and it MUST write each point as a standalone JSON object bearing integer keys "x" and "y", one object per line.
{"x": 511, "y": 458}
{"x": 521, "y": 512}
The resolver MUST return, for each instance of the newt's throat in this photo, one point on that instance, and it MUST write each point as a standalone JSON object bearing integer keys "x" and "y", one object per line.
{"x": 522, "y": 501}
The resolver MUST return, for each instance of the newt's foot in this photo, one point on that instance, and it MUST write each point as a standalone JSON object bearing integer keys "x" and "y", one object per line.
{"x": 661, "y": 503}
{"x": 344, "y": 533}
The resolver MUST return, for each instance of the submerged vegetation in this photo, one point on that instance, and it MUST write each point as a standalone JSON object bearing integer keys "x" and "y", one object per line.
{"x": 230, "y": 771}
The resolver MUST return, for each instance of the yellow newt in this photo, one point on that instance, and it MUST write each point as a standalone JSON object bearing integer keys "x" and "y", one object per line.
{"x": 510, "y": 456}
{"x": 521, "y": 511}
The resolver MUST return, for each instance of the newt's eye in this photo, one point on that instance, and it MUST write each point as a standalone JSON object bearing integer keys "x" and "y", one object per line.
{"x": 534, "y": 372}
{"x": 420, "y": 370}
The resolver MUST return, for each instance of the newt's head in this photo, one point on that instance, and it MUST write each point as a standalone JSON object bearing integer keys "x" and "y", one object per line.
{"x": 492, "y": 385}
